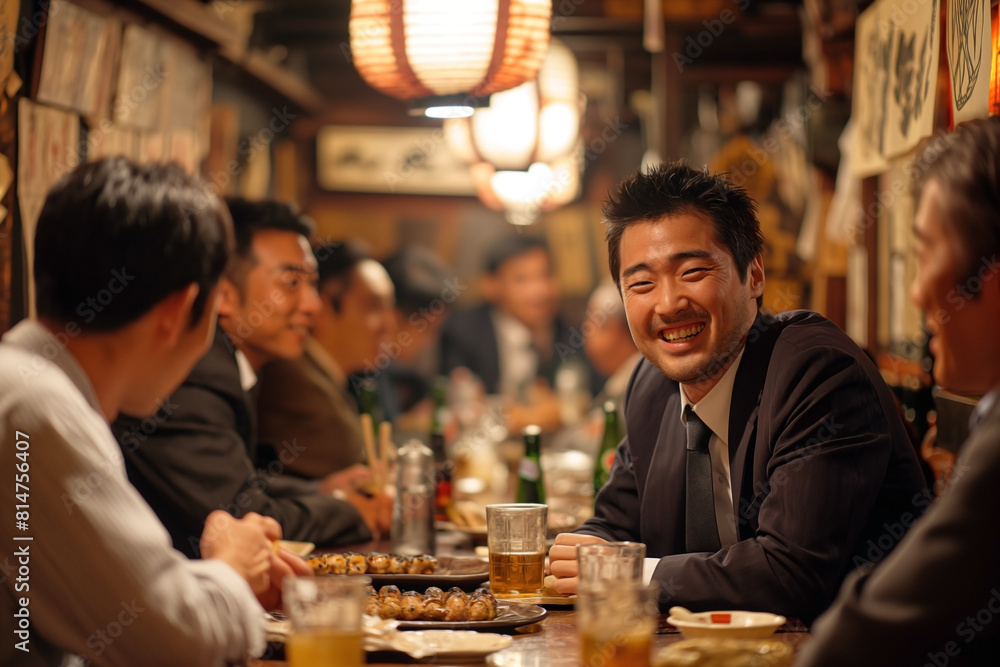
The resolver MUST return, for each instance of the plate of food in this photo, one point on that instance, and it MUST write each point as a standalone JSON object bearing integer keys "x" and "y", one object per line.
{"x": 454, "y": 609}
{"x": 405, "y": 571}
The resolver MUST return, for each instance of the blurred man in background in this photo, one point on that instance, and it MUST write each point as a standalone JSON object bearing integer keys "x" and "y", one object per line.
{"x": 515, "y": 342}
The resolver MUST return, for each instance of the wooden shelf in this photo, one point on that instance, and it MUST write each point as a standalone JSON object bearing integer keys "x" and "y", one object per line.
{"x": 202, "y": 22}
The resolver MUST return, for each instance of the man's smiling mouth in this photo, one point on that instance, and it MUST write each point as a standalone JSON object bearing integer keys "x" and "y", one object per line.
{"x": 678, "y": 335}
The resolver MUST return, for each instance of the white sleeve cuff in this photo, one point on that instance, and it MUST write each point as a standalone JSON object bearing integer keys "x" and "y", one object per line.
{"x": 648, "y": 568}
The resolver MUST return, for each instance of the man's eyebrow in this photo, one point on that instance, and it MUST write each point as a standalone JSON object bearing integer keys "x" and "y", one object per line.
{"x": 296, "y": 268}
{"x": 676, "y": 257}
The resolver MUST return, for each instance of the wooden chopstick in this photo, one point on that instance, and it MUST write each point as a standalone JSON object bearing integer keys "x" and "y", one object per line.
{"x": 384, "y": 444}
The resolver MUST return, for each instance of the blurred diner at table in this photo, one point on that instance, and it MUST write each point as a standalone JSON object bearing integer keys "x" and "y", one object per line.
{"x": 202, "y": 453}
{"x": 305, "y": 406}
{"x": 934, "y": 600}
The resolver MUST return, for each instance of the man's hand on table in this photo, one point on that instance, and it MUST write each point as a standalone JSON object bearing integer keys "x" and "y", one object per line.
{"x": 283, "y": 564}
{"x": 562, "y": 560}
{"x": 348, "y": 479}
{"x": 244, "y": 544}
{"x": 376, "y": 510}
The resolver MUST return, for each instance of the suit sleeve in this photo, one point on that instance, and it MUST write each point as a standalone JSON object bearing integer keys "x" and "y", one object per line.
{"x": 829, "y": 447}
{"x": 195, "y": 462}
{"x": 616, "y": 508}
{"x": 928, "y": 600}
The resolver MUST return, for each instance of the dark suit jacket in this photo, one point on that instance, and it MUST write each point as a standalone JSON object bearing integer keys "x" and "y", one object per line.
{"x": 820, "y": 464}
{"x": 468, "y": 339}
{"x": 196, "y": 455}
{"x": 936, "y": 599}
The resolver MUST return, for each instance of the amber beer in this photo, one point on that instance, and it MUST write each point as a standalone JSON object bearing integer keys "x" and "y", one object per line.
{"x": 321, "y": 648}
{"x": 517, "y": 573}
{"x": 622, "y": 650}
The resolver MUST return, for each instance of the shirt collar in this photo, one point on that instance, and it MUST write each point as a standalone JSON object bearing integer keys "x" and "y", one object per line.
{"x": 713, "y": 408}
{"x": 32, "y": 336}
{"x": 248, "y": 378}
{"x": 983, "y": 408}
{"x": 511, "y": 330}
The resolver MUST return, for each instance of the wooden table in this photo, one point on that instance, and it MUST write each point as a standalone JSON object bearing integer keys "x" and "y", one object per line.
{"x": 553, "y": 643}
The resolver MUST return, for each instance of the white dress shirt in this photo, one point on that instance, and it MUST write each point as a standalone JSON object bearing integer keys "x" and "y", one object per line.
{"x": 517, "y": 355}
{"x": 103, "y": 578}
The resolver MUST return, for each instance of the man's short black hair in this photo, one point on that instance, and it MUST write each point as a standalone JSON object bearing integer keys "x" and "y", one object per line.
{"x": 114, "y": 239}
{"x": 251, "y": 217}
{"x": 510, "y": 247}
{"x": 336, "y": 262}
{"x": 418, "y": 276}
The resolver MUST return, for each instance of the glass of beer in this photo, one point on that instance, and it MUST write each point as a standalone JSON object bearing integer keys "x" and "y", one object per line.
{"x": 616, "y": 621}
{"x": 610, "y": 561}
{"x": 516, "y": 536}
{"x": 326, "y": 620}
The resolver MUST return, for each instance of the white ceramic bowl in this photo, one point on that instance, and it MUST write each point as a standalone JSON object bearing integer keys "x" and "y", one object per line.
{"x": 735, "y": 624}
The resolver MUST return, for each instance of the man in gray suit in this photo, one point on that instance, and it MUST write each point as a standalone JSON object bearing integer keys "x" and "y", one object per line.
{"x": 936, "y": 600}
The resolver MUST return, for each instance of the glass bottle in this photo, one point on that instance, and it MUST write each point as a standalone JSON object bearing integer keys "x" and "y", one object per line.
{"x": 368, "y": 402}
{"x": 414, "y": 509}
{"x": 530, "y": 482}
{"x": 609, "y": 443}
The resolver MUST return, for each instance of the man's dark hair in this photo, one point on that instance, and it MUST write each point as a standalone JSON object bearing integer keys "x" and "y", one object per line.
{"x": 510, "y": 247}
{"x": 418, "y": 276}
{"x": 968, "y": 171}
{"x": 251, "y": 217}
{"x": 674, "y": 188}
{"x": 336, "y": 262}
{"x": 115, "y": 238}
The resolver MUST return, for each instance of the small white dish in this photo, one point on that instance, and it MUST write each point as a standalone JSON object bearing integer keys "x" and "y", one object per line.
{"x": 734, "y": 624}
{"x": 301, "y": 549}
{"x": 451, "y": 644}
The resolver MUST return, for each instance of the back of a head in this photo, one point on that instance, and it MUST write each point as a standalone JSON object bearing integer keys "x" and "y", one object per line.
{"x": 510, "y": 247}
{"x": 249, "y": 218}
{"x": 114, "y": 239}
{"x": 968, "y": 170}
{"x": 674, "y": 188}
{"x": 418, "y": 276}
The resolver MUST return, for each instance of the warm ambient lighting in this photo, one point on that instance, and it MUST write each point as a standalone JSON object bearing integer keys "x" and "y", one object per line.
{"x": 460, "y": 50}
{"x": 524, "y": 150}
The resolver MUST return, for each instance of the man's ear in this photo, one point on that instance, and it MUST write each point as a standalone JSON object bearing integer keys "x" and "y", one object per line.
{"x": 174, "y": 314}
{"x": 230, "y": 299}
{"x": 755, "y": 274}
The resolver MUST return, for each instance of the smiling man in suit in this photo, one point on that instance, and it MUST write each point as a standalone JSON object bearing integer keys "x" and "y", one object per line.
{"x": 762, "y": 453}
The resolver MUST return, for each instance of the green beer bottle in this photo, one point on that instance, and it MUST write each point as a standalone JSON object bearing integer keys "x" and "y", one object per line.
{"x": 609, "y": 443}
{"x": 530, "y": 483}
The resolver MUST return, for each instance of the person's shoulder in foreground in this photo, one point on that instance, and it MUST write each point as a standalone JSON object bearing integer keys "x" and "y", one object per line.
{"x": 120, "y": 321}
{"x": 807, "y": 456}
{"x": 936, "y": 599}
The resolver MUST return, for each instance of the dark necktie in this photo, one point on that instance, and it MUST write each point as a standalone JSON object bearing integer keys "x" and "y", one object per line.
{"x": 701, "y": 531}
